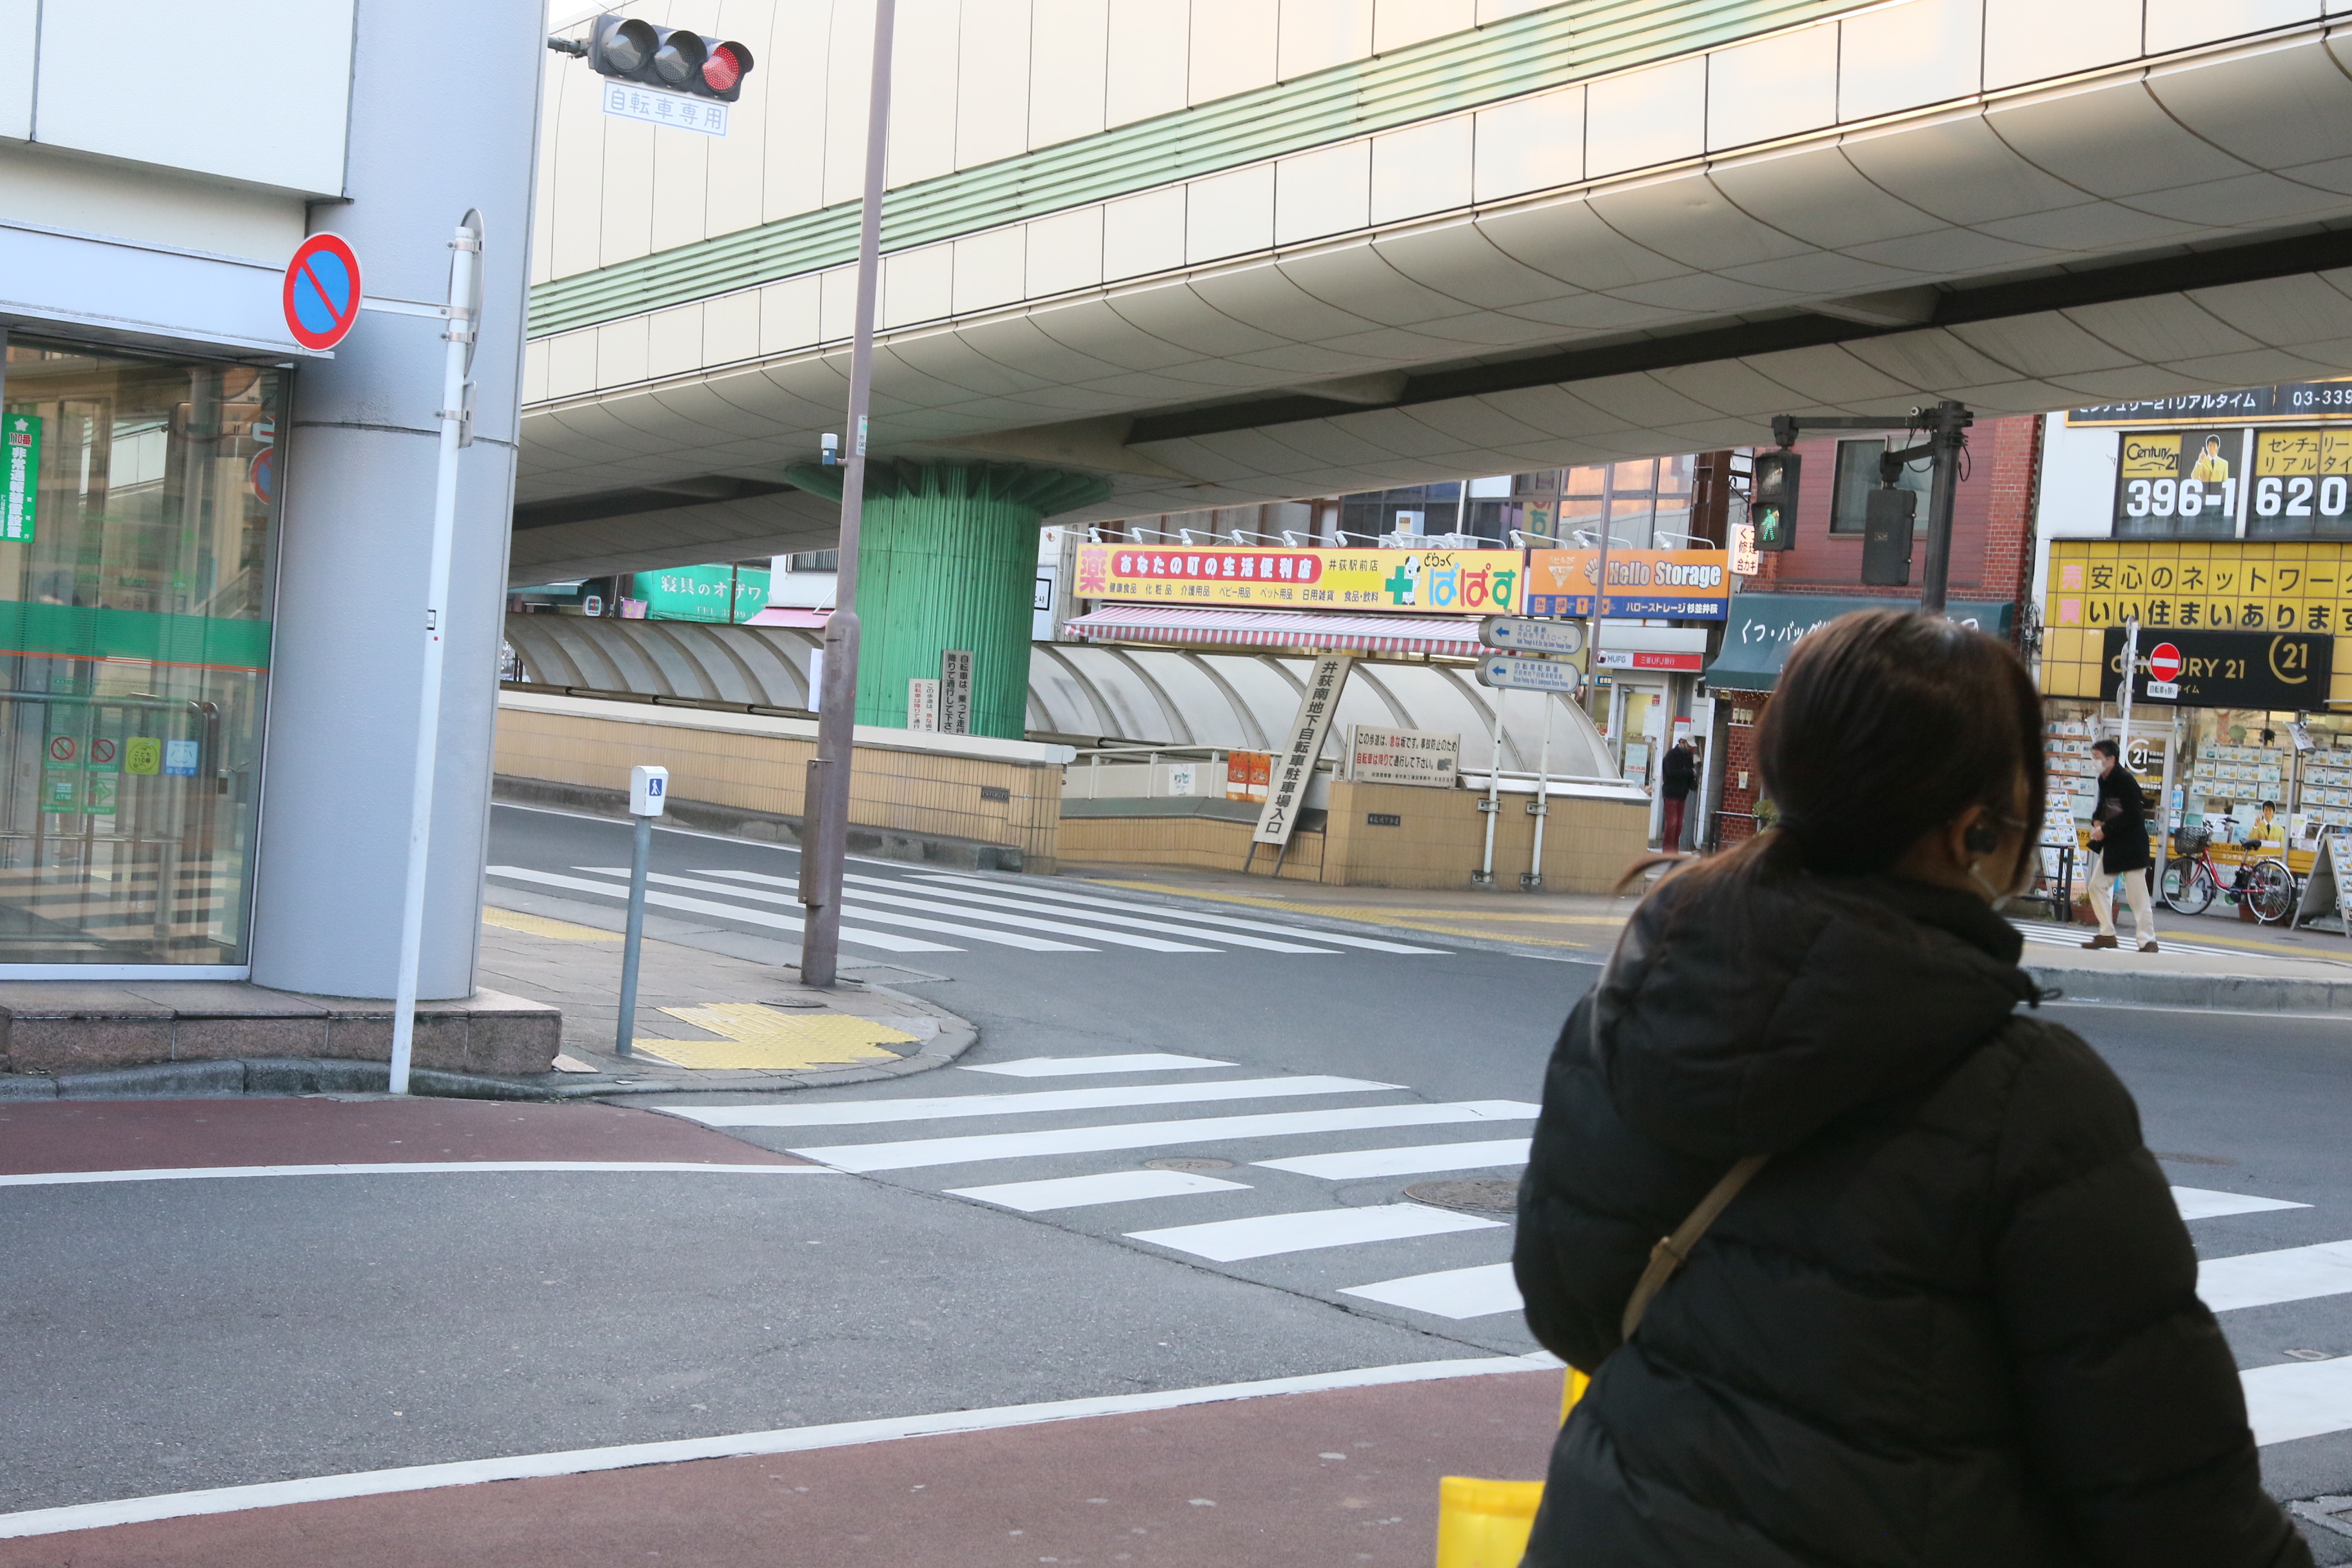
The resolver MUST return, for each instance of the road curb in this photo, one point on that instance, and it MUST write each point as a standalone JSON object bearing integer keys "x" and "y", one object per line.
{"x": 2227, "y": 993}
{"x": 269, "y": 1075}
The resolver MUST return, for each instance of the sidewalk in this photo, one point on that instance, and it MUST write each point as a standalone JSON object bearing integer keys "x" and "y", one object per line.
{"x": 2242, "y": 967}
{"x": 1344, "y": 1478}
{"x": 706, "y": 1020}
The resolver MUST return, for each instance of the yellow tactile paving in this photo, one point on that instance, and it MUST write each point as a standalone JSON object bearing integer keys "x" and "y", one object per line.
{"x": 760, "y": 1037}
{"x": 539, "y": 925}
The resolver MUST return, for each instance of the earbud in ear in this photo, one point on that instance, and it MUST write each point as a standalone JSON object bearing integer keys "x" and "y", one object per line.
{"x": 1981, "y": 839}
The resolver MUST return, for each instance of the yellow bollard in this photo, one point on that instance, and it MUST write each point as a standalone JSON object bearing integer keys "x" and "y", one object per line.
{"x": 1571, "y": 1391}
{"x": 1485, "y": 1524}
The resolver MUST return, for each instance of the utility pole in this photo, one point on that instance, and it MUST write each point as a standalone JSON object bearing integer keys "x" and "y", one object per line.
{"x": 825, "y": 811}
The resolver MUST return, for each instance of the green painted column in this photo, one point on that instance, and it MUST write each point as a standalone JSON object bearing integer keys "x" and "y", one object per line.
{"x": 948, "y": 559}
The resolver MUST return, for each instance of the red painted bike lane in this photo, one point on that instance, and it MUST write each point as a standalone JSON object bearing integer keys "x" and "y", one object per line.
{"x": 1330, "y": 1480}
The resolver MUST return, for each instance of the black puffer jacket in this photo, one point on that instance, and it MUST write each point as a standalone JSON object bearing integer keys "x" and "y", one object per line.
{"x": 1953, "y": 1322}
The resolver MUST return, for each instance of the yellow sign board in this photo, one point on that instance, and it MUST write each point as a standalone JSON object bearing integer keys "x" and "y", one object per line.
{"x": 2193, "y": 585}
{"x": 1439, "y": 582}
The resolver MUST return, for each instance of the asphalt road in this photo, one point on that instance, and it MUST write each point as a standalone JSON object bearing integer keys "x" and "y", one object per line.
{"x": 186, "y": 1334}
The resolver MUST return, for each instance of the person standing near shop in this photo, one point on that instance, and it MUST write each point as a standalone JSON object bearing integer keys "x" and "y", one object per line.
{"x": 2120, "y": 848}
{"x": 1677, "y": 776}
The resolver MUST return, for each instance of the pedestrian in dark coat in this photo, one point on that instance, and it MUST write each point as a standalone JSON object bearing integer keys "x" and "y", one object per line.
{"x": 1677, "y": 776}
{"x": 2119, "y": 851}
{"x": 1952, "y": 1321}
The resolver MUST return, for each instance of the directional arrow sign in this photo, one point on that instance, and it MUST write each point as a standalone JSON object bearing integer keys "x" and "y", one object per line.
{"x": 1525, "y": 635}
{"x": 1510, "y": 673}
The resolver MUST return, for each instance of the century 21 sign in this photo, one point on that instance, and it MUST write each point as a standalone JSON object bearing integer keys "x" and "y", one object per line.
{"x": 2278, "y": 671}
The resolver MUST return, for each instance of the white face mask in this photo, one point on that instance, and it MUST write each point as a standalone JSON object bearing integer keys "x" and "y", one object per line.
{"x": 2020, "y": 884}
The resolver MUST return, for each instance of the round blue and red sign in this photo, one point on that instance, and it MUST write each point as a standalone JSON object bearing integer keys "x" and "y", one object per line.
{"x": 262, "y": 476}
{"x": 322, "y": 291}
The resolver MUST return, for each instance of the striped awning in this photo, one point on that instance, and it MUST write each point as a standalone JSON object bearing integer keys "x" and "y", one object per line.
{"x": 1280, "y": 629}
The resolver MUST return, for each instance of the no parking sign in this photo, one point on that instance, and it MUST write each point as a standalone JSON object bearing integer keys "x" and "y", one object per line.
{"x": 322, "y": 291}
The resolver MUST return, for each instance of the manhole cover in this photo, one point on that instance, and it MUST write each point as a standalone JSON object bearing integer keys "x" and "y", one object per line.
{"x": 1479, "y": 1197}
{"x": 1188, "y": 1165}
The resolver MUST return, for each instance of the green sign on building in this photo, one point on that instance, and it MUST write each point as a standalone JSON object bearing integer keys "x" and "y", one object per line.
{"x": 20, "y": 477}
{"x": 703, "y": 593}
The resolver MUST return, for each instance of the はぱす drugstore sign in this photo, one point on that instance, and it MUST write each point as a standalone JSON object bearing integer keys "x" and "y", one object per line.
{"x": 1446, "y": 581}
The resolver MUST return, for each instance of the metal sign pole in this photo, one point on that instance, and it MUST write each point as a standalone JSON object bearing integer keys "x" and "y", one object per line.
{"x": 649, "y": 790}
{"x": 824, "y": 844}
{"x": 464, "y": 307}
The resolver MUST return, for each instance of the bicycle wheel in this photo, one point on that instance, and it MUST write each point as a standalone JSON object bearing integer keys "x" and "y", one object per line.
{"x": 2271, "y": 890}
{"x": 2187, "y": 887}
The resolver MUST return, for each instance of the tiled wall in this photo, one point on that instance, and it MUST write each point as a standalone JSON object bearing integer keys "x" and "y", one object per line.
{"x": 1206, "y": 842}
{"x": 910, "y": 791}
{"x": 1587, "y": 843}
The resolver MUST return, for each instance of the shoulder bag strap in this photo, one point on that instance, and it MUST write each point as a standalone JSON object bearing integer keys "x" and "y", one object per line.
{"x": 1673, "y": 1251}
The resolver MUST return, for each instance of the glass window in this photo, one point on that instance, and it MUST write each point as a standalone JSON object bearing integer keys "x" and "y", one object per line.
{"x": 2177, "y": 484}
{"x": 135, "y": 511}
{"x": 1857, "y": 476}
{"x": 2302, "y": 485}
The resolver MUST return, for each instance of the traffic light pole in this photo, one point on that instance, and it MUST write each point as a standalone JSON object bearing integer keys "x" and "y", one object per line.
{"x": 825, "y": 813}
{"x": 1946, "y": 424}
{"x": 465, "y": 303}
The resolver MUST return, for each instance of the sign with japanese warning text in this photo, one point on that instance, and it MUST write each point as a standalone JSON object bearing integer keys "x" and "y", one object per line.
{"x": 1294, "y": 764}
{"x": 1441, "y": 581}
{"x": 20, "y": 477}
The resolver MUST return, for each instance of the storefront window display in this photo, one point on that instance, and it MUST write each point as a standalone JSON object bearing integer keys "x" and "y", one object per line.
{"x": 136, "y": 505}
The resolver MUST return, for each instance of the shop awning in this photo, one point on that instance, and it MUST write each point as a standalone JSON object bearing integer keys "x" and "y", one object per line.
{"x": 1280, "y": 629}
{"x": 1763, "y": 627}
{"x": 790, "y": 615}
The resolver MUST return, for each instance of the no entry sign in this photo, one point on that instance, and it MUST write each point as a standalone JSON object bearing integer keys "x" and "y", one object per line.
{"x": 322, "y": 291}
{"x": 2163, "y": 661}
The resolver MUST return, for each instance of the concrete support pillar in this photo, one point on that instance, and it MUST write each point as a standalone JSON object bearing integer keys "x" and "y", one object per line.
{"x": 948, "y": 559}
{"x": 347, "y": 658}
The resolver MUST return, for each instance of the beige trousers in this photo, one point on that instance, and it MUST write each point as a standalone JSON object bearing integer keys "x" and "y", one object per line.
{"x": 2102, "y": 901}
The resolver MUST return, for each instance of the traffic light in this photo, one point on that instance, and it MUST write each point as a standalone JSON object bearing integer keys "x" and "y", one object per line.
{"x": 671, "y": 59}
{"x": 1773, "y": 502}
{"x": 1886, "y": 531}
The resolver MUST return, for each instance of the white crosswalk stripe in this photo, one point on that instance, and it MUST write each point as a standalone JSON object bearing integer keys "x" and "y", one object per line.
{"x": 855, "y": 936}
{"x": 1197, "y": 917}
{"x": 1455, "y": 1293}
{"x": 863, "y": 902}
{"x": 2197, "y": 1203}
{"x": 1263, "y": 1235}
{"x": 1359, "y": 1165}
{"x": 937, "y": 1108}
{"x": 1104, "y": 1187}
{"x": 1080, "y": 1066}
{"x": 2267, "y": 1278}
{"x": 2043, "y": 935}
{"x": 879, "y": 917}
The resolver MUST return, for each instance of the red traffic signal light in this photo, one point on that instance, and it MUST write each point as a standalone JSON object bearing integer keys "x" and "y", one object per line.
{"x": 672, "y": 58}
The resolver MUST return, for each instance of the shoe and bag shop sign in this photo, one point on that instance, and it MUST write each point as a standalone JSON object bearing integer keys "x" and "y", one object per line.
{"x": 2221, "y": 624}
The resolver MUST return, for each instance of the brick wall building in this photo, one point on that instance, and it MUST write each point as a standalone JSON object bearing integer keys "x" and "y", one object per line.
{"x": 1992, "y": 563}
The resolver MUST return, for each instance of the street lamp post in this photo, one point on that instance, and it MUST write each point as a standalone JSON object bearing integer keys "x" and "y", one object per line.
{"x": 824, "y": 811}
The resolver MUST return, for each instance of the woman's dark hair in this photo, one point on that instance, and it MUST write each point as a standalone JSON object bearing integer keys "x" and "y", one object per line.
{"x": 1885, "y": 725}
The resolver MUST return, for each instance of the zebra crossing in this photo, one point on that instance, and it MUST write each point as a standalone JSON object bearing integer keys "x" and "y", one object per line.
{"x": 2041, "y": 935}
{"x": 944, "y": 912}
{"x": 1314, "y": 1197}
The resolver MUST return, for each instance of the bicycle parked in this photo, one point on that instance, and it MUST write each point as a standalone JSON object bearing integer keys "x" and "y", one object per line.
{"x": 2266, "y": 886}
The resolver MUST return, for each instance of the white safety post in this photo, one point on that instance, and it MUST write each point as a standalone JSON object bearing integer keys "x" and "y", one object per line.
{"x": 1492, "y": 803}
{"x": 648, "y": 791}
{"x": 465, "y": 305}
{"x": 1540, "y": 807}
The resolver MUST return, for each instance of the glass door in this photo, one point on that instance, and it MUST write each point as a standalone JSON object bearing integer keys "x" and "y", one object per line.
{"x": 136, "y": 504}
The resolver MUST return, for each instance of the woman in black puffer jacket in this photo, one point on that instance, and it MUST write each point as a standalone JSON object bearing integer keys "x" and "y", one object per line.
{"x": 1952, "y": 1321}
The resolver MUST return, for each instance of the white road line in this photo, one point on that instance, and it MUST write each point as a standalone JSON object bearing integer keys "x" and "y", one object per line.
{"x": 417, "y": 1168}
{"x": 881, "y": 917}
{"x": 863, "y": 895}
{"x": 1455, "y": 1293}
{"x": 1139, "y": 923}
{"x": 851, "y": 934}
{"x": 2197, "y": 1203}
{"x": 2071, "y": 936}
{"x": 789, "y": 1440}
{"x": 1267, "y": 1234}
{"x": 1106, "y": 1187}
{"x": 1360, "y": 1162}
{"x": 916, "y": 1153}
{"x": 1197, "y": 917}
{"x": 2266, "y": 1279}
{"x": 953, "y": 1107}
{"x": 2299, "y": 1399}
{"x": 1074, "y": 1066}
